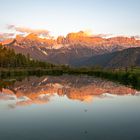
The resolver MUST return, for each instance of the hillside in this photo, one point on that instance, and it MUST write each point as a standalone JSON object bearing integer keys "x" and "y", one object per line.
{"x": 10, "y": 59}
{"x": 125, "y": 58}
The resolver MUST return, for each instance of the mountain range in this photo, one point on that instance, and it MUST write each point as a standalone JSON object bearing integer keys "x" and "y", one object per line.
{"x": 125, "y": 58}
{"x": 79, "y": 49}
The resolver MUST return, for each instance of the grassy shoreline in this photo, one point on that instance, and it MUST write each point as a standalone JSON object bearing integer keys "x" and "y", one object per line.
{"x": 130, "y": 77}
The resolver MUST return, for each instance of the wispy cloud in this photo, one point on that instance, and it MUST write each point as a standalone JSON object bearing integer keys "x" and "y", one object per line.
{"x": 4, "y": 36}
{"x": 103, "y": 35}
{"x": 89, "y": 33}
{"x": 39, "y": 32}
{"x": 136, "y": 37}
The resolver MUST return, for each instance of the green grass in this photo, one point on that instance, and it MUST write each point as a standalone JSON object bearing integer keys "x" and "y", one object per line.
{"x": 131, "y": 77}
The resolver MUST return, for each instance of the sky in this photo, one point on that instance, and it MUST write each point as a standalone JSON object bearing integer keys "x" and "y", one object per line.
{"x": 117, "y": 17}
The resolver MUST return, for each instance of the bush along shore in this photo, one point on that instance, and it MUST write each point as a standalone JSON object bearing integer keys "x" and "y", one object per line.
{"x": 130, "y": 78}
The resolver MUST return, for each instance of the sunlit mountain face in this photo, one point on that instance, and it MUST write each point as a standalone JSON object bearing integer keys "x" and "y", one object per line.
{"x": 42, "y": 90}
{"x": 71, "y": 49}
{"x": 80, "y": 38}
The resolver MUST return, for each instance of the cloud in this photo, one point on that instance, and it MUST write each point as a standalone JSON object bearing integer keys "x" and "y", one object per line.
{"x": 89, "y": 33}
{"x": 4, "y": 36}
{"x": 39, "y": 32}
{"x": 103, "y": 35}
{"x": 136, "y": 37}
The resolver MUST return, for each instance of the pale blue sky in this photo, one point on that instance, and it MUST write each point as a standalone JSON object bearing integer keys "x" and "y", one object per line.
{"x": 118, "y": 17}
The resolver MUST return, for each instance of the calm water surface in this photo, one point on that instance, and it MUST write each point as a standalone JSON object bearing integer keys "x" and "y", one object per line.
{"x": 68, "y": 108}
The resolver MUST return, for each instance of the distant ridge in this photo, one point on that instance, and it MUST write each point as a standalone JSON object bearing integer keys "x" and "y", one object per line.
{"x": 125, "y": 58}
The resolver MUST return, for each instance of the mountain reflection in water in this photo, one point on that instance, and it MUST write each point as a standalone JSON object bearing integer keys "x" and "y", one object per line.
{"x": 34, "y": 90}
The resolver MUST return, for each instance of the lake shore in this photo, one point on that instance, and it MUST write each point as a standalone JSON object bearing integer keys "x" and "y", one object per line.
{"x": 129, "y": 77}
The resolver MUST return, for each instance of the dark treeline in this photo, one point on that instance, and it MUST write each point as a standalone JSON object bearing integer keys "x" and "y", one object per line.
{"x": 127, "y": 78}
{"x": 9, "y": 59}
{"x": 131, "y": 77}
